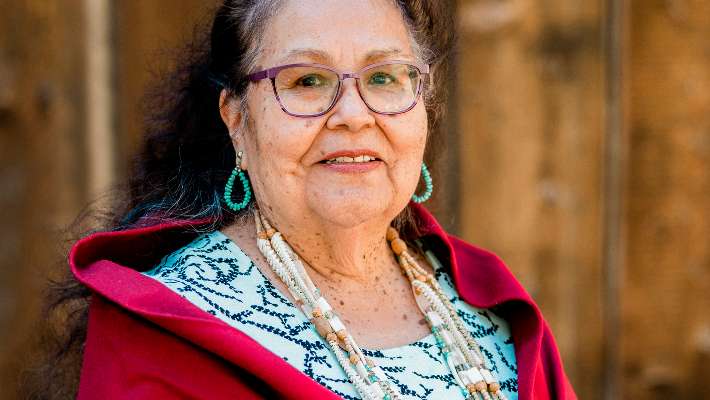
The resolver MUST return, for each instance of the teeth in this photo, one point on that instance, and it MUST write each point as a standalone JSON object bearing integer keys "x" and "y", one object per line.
{"x": 362, "y": 158}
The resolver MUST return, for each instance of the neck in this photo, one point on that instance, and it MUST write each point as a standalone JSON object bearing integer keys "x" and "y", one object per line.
{"x": 359, "y": 254}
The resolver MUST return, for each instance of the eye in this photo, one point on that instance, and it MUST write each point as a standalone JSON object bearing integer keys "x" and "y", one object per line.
{"x": 312, "y": 80}
{"x": 381, "y": 78}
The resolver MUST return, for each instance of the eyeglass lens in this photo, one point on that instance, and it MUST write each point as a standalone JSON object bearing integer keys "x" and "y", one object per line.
{"x": 310, "y": 90}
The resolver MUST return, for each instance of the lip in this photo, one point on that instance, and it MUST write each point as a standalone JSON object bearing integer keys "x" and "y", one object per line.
{"x": 352, "y": 167}
{"x": 352, "y": 153}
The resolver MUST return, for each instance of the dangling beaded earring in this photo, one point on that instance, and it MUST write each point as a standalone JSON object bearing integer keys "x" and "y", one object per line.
{"x": 230, "y": 185}
{"x": 429, "y": 187}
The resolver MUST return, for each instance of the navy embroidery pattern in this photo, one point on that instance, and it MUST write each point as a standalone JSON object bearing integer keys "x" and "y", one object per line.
{"x": 213, "y": 273}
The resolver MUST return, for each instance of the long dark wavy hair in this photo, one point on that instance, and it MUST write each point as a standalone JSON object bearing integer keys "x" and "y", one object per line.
{"x": 187, "y": 156}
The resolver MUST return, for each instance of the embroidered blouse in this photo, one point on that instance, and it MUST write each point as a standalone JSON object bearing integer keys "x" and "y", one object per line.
{"x": 214, "y": 274}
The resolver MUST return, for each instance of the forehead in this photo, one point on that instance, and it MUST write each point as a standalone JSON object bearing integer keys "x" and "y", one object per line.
{"x": 343, "y": 33}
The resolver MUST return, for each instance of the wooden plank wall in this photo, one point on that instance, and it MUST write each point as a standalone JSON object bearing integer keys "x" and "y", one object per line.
{"x": 531, "y": 123}
{"x": 581, "y": 155}
{"x": 148, "y": 36}
{"x": 666, "y": 301}
{"x": 42, "y": 159}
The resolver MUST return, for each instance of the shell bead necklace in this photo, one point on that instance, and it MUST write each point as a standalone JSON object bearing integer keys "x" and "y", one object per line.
{"x": 460, "y": 351}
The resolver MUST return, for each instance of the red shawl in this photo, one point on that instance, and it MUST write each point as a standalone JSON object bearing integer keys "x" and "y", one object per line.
{"x": 145, "y": 341}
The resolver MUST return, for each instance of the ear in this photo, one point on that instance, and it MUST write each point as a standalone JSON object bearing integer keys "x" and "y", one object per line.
{"x": 229, "y": 111}
{"x": 232, "y": 118}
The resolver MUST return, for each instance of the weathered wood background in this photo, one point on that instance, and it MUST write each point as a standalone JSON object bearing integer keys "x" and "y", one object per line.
{"x": 579, "y": 137}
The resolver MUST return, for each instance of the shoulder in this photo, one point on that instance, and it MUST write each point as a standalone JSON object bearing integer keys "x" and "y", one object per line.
{"x": 139, "y": 370}
{"x": 481, "y": 276}
{"x": 463, "y": 257}
{"x": 211, "y": 251}
{"x": 467, "y": 253}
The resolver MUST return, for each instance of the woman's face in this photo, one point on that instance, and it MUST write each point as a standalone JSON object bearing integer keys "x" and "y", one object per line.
{"x": 285, "y": 155}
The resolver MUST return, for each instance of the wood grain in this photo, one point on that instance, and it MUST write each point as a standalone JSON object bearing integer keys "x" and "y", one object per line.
{"x": 41, "y": 168}
{"x": 666, "y": 337}
{"x": 531, "y": 107}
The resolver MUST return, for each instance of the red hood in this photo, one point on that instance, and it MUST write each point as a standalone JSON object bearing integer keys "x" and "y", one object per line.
{"x": 109, "y": 264}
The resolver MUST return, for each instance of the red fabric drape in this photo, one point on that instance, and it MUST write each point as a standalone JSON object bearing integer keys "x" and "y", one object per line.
{"x": 145, "y": 341}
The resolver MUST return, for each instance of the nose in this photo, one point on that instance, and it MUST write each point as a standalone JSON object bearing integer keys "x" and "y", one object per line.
{"x": 350, "y": 112}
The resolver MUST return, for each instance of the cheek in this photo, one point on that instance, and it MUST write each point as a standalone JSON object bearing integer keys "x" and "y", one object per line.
{"x": 283, "y": 147}
{"x": 407, "y": 135}
{"x": 281, "y": 141}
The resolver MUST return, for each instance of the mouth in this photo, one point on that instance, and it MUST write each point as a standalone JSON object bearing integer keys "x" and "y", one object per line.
{"x": 350, "y": 160}
{"x": 358, "y": 156}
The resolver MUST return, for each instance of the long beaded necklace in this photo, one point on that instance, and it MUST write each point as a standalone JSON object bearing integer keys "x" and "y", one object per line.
{"x": 460, "y": 351}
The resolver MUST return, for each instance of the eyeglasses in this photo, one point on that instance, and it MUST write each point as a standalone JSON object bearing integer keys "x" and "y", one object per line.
{"x": 311, "y": 90}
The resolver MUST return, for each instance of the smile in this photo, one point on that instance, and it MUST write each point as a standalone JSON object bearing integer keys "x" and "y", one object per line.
{"x": 357, "y": 159}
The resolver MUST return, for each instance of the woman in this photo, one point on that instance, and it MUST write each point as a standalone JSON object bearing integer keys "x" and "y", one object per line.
{"x": 273, "y": 245}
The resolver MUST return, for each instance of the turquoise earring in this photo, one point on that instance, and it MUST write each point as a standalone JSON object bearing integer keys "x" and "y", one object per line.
{"x": 429, "y": 187}
{"x": 230, "y": 185}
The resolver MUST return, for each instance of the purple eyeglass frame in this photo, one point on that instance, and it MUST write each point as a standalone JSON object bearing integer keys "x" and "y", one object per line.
{"x": 272, "y": 72}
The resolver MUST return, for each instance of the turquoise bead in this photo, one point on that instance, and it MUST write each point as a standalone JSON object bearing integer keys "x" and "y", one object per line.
{"x": 429, "y": 187}
{"x": 230, "y": 186}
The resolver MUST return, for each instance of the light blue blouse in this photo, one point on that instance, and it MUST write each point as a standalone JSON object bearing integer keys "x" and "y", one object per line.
{"x": 213, "y": 273}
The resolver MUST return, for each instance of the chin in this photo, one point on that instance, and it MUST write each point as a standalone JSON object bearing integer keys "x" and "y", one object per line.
{"x": 348, "y": 210}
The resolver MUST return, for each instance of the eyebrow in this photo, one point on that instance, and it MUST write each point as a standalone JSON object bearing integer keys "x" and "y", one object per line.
{"x": 323, "y": 57}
